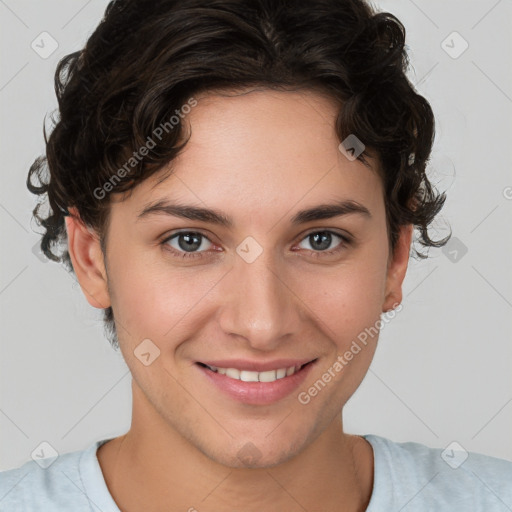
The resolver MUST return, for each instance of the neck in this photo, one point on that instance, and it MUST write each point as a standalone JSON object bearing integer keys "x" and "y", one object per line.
{"x": 152, "y": 466}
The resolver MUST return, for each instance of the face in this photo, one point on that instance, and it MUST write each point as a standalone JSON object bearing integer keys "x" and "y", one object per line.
{"x": 268, "y": 288}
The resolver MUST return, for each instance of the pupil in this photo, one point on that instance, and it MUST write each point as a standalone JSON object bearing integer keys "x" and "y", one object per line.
{"x": 324, "y": 238}
{"x": 192, "y": 241}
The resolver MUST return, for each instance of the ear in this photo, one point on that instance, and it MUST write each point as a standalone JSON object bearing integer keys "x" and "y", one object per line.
{"x": 87, "y": 259}
{"x": 397, "y": 267}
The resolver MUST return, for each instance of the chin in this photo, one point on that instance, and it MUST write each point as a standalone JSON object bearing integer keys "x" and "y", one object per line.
{"x": 252, "y": 454}
{"x": 250, "y": 457}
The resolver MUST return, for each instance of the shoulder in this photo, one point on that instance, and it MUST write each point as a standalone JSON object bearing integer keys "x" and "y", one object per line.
{"x": 48, "y": 484}
{"x": 416, "y": 477}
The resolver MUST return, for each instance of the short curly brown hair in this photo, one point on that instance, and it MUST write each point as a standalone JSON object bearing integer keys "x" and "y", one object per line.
{"x": 147, "y": 57}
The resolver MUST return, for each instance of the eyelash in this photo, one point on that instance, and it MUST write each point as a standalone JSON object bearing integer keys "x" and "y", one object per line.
{"x": 345, "y": 242}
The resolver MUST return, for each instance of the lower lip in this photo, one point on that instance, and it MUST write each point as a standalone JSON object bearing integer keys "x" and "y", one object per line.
{"x": 257, "y": 393}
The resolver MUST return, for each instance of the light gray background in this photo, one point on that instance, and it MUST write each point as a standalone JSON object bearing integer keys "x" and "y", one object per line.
{"x": 442, "y": 371}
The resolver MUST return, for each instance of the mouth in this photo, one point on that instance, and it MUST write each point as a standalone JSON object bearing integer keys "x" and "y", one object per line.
{"x": 256, "y": 376}
{"x": 250, "y": 386}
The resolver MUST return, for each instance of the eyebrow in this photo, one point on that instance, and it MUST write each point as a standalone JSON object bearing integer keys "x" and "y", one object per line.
{"x": 212, "y": 216}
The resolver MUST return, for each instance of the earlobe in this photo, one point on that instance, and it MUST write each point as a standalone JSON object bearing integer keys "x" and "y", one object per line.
{"x": 87, "y": 259}
{"x": 397, "y": 269}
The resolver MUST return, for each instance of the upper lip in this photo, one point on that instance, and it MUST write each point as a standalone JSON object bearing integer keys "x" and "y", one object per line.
{"x": 255, "y": 366}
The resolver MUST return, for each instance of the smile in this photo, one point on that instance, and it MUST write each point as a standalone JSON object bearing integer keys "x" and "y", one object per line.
{"x": 250, "y": 386}
{"x": 253, "y": 376}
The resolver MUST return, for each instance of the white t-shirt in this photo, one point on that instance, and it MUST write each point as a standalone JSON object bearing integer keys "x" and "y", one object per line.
{"x": 408, "y": 477}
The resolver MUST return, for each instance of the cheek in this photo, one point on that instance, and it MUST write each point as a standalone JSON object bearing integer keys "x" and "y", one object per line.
{"x": 348, "y": 299}
{"x": 346, "y": 309}
{"x": 153, "y": 299}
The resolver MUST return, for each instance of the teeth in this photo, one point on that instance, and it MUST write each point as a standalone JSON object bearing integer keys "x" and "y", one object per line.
{"x": 233, "y": 373}
{"x": 269, "y": 376}
{"x": 247, "y": 376}
{"x": 250, "y": 376}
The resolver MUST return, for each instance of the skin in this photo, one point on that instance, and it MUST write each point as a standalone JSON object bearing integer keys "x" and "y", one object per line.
{"x": 259, "y": 158}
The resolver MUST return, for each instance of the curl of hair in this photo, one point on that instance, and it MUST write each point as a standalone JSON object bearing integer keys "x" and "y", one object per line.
{"x": 147, "y": 58}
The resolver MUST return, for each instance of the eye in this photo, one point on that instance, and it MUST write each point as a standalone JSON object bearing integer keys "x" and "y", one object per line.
{"x": 186, "y": 244}
{"x": 320, "y": 241}
{"x": 192, "y": 244}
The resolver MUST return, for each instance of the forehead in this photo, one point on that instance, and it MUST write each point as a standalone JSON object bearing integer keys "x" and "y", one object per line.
{"x": 287, "y": 124}
{"x": 261, "y": 149}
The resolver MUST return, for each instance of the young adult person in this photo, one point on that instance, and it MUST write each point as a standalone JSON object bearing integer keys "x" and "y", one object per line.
{"x": 237, "y": 183}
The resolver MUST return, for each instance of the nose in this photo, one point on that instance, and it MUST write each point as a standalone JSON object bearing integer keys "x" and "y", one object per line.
{"x": 259, "y": 304}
